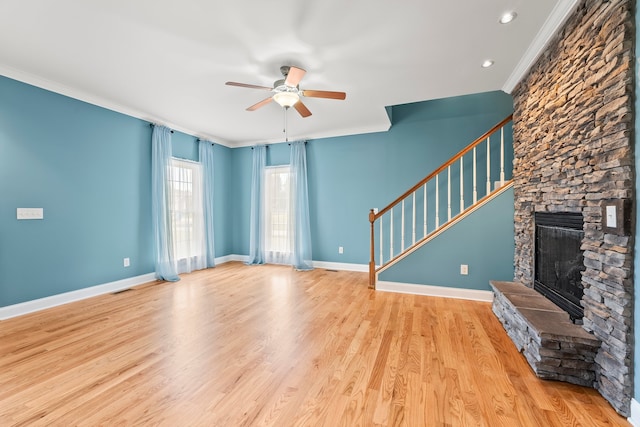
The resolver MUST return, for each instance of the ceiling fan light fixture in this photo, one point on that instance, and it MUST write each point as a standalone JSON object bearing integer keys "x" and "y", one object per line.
{"x": 286, "y": 99}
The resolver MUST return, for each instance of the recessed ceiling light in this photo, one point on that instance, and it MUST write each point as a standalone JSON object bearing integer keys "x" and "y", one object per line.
{"x": 487, "y": 63}
{"x": 508, "y": 17}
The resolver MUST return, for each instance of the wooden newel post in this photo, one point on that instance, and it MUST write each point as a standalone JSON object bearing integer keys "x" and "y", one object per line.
{"x": 372, "y": 259}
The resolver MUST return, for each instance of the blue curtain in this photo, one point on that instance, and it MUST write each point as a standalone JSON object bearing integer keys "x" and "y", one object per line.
{"x": 256, "y": 243}
{"x": 301, "y": 258}
{"x": 206, "y": 159}
{"x": 165, "y": 264}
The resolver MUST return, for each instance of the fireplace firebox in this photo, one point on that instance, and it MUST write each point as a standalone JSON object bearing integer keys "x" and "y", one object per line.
{"x": 559, "y": 261}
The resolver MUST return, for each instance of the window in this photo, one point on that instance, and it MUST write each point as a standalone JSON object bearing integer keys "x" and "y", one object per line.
{"x": 277, "y": 218}
{"x": 186, "y": 216}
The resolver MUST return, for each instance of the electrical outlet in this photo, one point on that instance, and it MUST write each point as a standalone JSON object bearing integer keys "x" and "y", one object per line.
{"x": 127, "y": 262}
{"x": 464, "y": 269}
{"x": 340, "y": 250}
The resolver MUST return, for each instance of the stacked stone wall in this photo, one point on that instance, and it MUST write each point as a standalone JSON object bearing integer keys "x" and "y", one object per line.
{"x": 573, "y": 149}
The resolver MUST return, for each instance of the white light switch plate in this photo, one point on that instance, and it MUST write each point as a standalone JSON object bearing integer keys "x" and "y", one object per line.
{"x": 30, "y": 213}
{"x": 611, "y": 217}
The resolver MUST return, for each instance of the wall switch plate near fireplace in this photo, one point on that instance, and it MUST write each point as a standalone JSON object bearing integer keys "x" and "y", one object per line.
{"x": 610, "y": 219}
{"x": 616, "y": 216}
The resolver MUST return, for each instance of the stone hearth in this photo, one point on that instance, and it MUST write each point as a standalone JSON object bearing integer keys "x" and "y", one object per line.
{"x": 555, "y": 348}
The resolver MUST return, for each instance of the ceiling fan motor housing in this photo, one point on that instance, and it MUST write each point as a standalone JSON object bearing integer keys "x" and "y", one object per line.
{"x": 280, "y": 86}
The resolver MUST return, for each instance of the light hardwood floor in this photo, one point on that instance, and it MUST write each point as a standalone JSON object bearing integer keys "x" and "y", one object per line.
{"x": 268, "y": 346}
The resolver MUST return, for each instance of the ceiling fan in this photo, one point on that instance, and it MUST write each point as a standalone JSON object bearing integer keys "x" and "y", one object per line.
{"x": 287, "y": 93}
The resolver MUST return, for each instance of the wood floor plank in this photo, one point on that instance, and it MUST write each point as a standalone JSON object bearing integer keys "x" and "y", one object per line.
{"x": 269, "y": 346}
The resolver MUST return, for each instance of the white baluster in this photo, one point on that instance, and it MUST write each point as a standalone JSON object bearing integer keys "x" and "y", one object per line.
{"x": 424, "y": 211}
{"x": 381, "y": 244}
{"x": 402, "y": 229}
{"x": 391, "y": 237}
{"x": 449, "y": 193}
{"x": 437, "y": 204}
{"x": 488, "y": 165}
{"x": 502, "y": 156}
{"x": 413, "y": 233}
{"x": 461, "y": 185}
{"x": 475, "y": 187}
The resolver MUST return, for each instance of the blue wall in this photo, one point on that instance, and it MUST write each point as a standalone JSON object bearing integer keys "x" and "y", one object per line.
{"x": 438, "y": 263}
{"x": 349, "y": 175}
{"x": 90, "y": 169}
{"x": 223, "y": 199}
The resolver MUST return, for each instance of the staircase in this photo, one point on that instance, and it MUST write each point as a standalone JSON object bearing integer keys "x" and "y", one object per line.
{"x": 472, "y": 177}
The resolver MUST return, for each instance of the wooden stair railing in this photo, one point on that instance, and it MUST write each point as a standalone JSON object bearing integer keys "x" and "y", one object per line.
{"x": 419, "y": 193}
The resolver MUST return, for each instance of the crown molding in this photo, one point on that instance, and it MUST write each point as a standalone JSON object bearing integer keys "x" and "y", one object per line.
{"x": 80, "y": 95}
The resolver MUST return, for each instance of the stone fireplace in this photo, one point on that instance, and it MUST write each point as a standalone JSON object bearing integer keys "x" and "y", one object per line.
{"x": 573, "y": 150}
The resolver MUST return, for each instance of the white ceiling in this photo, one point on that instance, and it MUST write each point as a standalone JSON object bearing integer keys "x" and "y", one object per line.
{"x": 166, "y": 61}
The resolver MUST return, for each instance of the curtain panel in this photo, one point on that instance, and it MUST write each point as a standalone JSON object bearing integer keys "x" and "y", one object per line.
{"x": 301, "y": 257}
{"x": 165, "y": 265}
{"x": 256, "y": 241}
{"x": 205, "y": 149}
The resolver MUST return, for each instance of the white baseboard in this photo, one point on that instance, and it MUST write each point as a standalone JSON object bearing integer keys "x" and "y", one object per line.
{"x": 634, "y": 419}
{"x": 341, "y": 266}
{"x": 316, "y": 264}
{"x": 80, "y": 294}
{"x": 232, "y": 257}
{"x": 435, "y": 291}
{"x": 67, "y": 297}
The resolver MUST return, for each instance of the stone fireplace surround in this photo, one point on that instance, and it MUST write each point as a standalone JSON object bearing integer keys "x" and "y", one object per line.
{"x": 573, "y": 149}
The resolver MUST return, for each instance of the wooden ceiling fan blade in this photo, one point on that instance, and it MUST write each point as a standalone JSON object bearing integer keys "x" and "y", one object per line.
{"x": 260, "y": 104}
{"x": 295, "y": 75}
{"x": 302, "y": 109}
{"x": 248, "y": 85}
{"x": 324, "y": 94}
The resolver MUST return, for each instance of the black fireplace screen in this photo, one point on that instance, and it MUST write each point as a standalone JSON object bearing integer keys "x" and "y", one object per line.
{"x": 559, "y": 260}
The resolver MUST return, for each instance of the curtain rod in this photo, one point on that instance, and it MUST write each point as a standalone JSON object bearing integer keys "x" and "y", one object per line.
{"x": 305, "y": 143}
{"x": 210, "y": 142}
{"x": 153, "y": 124}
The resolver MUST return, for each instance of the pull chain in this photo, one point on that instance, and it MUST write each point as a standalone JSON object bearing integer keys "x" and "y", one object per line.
{"x": 286, "y": 134}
